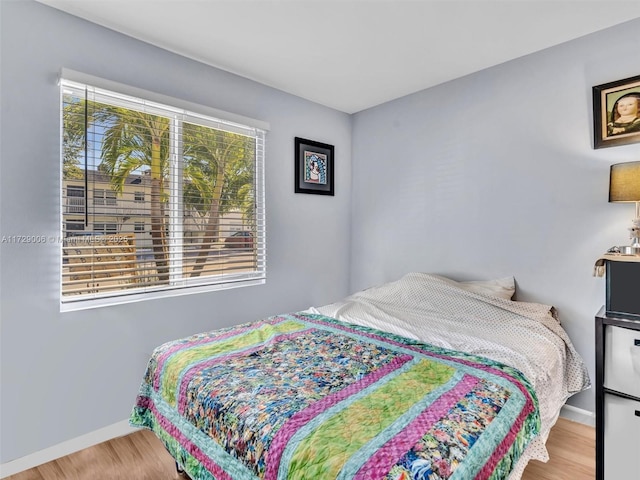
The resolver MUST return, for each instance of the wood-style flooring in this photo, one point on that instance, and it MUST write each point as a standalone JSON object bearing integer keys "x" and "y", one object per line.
{"x": 141, "y": 456}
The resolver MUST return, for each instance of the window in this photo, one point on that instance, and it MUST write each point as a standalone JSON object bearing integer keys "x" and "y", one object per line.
{"x": 73, "y": 226}
{"x": 105, "y": 228}
{"x": 104, "y": 197}
{"x": 75, "y": 201}
{"x": 75, "y": 191}
{"x": 169, "y": 186}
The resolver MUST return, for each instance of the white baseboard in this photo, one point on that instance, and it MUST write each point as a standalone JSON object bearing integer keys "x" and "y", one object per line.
{"x": 578, "y": 415}
{"x": 66, "y": 448}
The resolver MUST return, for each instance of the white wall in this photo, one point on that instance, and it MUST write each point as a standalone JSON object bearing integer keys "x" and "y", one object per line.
{"x": 494, "y": 174}
{"x": 64, "y": 375}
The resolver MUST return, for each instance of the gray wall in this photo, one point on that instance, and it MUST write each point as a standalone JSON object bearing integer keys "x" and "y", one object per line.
{"x": 64, "y": 375}
{"x": 494, "y": 174}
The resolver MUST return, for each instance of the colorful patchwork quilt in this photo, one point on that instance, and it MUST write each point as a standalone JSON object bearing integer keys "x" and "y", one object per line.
{"x": 305, "y": 396}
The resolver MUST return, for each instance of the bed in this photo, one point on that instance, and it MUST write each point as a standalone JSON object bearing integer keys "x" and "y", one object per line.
{"x": 420, "y": 378}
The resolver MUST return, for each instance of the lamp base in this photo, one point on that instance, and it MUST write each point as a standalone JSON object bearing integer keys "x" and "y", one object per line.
{"x": 634, "y": 248}
{"x": 629, "y": 250}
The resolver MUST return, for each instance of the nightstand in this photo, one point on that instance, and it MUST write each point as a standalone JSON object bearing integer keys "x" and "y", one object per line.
{"x": 617, "y": 397}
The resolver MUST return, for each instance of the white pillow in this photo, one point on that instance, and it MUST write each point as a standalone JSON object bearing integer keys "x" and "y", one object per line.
{"x": 500, "y": 287}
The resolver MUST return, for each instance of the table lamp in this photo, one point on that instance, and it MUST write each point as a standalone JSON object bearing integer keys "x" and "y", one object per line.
{"x": 624, "y": 186}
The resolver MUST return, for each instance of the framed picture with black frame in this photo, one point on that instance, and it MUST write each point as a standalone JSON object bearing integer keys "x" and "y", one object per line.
{"x": 314, "y": 172}
{"x": 616, "y": 113}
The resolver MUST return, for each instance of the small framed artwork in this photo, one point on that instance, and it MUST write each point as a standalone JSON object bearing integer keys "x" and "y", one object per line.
{"x": 616, "y": 113}
{"x": 313, "y": 167}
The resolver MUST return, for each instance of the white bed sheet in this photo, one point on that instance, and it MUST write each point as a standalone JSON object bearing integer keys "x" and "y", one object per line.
{"x": 526, "y": 336}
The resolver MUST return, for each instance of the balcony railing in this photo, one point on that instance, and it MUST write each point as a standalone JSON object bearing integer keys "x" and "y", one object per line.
{"x": 75, "y": 205}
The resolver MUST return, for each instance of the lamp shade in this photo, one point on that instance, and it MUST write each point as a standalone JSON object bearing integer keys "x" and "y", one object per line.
{"x": 624, "y": 182}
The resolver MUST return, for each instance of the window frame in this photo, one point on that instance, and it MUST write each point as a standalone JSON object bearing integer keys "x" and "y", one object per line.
{"x": 189, "y": 111}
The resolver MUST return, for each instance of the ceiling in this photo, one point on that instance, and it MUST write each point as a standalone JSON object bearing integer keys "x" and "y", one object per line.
{"x": 352, "y": 54}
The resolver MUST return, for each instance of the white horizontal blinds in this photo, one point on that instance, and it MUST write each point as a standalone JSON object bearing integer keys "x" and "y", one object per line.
{"x": 219, "y": 201}
{"x": 155, "y": 197}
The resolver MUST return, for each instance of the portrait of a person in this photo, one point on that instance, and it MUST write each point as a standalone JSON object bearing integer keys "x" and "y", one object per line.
{"x": 315, "y": 168}
{"x": 625, "y": 115}
{"x": 314, "y": 172}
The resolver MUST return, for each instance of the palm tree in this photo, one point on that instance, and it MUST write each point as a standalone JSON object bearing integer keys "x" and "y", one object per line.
{"x": 219, "y": 177}
{"x": 136, "y": 141}
{"x": 73, "y": 139}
